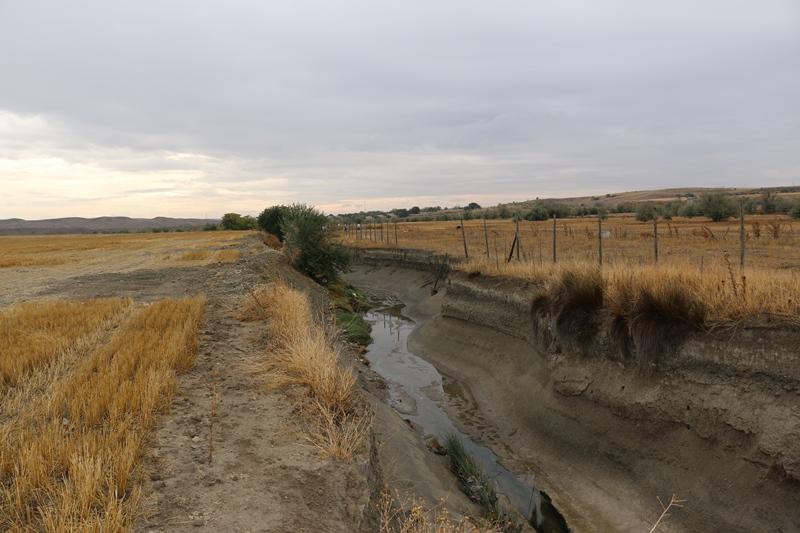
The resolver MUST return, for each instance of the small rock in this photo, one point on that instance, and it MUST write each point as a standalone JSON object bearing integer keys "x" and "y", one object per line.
{"x": 196, "y": 438}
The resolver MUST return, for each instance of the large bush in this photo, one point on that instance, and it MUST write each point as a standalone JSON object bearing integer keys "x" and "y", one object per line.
{"x": 717, "y": 206}
{"x": 646, "y": 212}
{"x": 309, "y": 244}
{"x": 270, "y": 220}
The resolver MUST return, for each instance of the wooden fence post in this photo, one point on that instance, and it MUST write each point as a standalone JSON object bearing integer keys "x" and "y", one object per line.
{"x": 395, "y": 234}
{"x": 655, "y": 238}
{"x": 600, "y": 239}
{"x": 486, "y": 237}
{"x": 464, "y": 238}
{"x": 516, "y": 237}
{"x": 555, "y": 247}
{"x": 741, "y": 236}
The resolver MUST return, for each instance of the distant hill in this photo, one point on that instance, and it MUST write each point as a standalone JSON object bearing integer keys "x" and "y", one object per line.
{"x": 18, "y": 226}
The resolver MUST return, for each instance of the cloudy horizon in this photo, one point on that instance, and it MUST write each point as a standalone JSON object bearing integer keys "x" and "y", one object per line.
{"x": 193, "y": 109}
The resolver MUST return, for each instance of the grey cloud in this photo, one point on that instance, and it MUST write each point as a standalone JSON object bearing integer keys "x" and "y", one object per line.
{"x": 339, "y": 101}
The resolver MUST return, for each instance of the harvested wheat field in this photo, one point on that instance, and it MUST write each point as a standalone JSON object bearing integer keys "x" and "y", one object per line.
{"x": 133, "y": 394}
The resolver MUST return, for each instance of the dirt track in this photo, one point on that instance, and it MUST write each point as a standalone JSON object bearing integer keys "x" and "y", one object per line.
{"x": 254, "y": 471}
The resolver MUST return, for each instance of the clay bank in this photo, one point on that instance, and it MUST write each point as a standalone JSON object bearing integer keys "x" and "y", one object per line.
{"x": 608, "y": 416}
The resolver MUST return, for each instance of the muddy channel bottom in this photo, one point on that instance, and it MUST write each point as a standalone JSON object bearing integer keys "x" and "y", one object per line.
{"x": 417, "y": 391}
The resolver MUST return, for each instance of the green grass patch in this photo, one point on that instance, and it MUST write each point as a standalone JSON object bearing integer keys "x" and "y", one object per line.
{"x": 476, "y": 486}
{"x": 355, "y": 328}
{"x": 349, "y": 303}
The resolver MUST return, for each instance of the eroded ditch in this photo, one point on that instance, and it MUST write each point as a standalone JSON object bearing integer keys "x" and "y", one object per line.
{"x": 417, "y": 391}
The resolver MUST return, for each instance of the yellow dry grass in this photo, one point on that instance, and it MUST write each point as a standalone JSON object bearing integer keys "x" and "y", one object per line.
{"x": 72, "y": 431}
{"x": 304, "y": 353}
{"x": 698, "y": 255}
{"x": 56, "y": 250}
{"x": 773, "y": 241}
{"x": 33, "y": 333}
{"x": 228, "y": 256}
{"x": 396, "y": 516}
{"x": 725, "y": 294}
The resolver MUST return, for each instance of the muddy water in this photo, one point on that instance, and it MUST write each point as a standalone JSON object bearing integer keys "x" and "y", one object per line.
{"x": 417, "y": 391}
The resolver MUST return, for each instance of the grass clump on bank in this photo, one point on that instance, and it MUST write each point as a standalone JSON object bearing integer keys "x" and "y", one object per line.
{"x": 476, "y": 486}
{"x": 304, "y": 352}
{"x": 398, "y": 516}
{"x": 349, "y": 303}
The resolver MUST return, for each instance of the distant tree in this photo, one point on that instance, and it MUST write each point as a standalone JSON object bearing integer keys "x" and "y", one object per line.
{"x": 716, "y": 206}
{"x": 794, "y": 212}
{"x": 473, "y": 205}
{"x": 235, "y": 221}
{"x": 646, "y": 212}
{"x": 211, "y": 227}
{"x": 690, "y": 210}
{"x": 414, "y": 210}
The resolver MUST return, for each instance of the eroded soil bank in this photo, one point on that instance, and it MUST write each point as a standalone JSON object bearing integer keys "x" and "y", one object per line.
{"x": 718, "y": 424}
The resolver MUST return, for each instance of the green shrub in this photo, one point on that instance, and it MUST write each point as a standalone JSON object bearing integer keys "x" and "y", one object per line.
{"x": 646, "y": 212}
{"x": 235, "y": 221}
{"x": 794, "y": 212}
{"x": 309, "y": 244}
{"x": 717, "y": 206}
{"x": 270, "y": 220}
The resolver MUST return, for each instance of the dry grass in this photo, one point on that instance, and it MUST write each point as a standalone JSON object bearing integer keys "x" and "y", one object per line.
{"x": 73, "y": 430}
{"x": 228, "y": 256}
{"x": 56, "y": 250}
{"x": 305, "y": 353}
{"x": 270, "y": 240}
{"x": 33, "y": 333}
{"x": 720, "y": 294}
{"x": 681, "y": 240}
{"x": 195, "y": 255}
{"x": 417, "y": 518}
{"x": 697, "y": 258}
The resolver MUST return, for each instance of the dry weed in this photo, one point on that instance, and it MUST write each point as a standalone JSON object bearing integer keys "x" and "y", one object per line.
{"x": 417, "y": 518}
{"x": 305, "y": 353}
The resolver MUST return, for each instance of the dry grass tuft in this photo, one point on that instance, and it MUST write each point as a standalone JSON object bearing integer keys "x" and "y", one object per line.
{"x": 392, "y": 518}
{"x": 228, "y": 256}
{"x": 195, "y": 255}
{"x": 72, "y": 433}
{"x": 270, "y": 240}
{"x": 305, "y": 353}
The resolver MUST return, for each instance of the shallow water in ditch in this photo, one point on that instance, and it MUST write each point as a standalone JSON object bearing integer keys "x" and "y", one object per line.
{"x": 416, "y": 392}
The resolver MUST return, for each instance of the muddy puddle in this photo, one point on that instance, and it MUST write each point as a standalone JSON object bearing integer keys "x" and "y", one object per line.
{"x": 417, "y": 392}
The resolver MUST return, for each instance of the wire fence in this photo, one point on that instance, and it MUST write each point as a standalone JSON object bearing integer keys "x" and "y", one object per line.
{"x": 761, "y": 241}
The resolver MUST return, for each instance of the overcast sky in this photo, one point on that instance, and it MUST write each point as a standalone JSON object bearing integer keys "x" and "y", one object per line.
{"x": 198, "y": 108}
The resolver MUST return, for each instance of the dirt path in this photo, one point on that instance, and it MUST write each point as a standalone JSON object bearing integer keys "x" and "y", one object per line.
{"x": 228, "y": 454}
{"x": 247, "y": 468}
